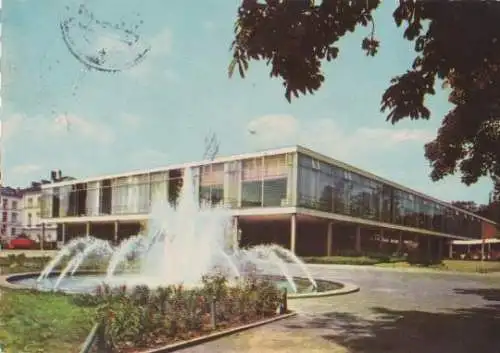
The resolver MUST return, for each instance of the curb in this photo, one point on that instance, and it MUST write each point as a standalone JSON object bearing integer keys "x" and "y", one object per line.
{"x": 216, "y": 335}
{"x": 4, "y": 253}
{"x": 4, "y": 279}
{"x": 347, "y": 288}
{"x": 404, "y": 270}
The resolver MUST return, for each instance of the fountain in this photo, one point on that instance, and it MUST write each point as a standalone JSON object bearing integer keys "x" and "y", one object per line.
{"x": 184, "y": 243}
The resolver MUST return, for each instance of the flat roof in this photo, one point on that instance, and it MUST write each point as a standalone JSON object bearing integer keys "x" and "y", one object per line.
{"x": 270, "y": 152}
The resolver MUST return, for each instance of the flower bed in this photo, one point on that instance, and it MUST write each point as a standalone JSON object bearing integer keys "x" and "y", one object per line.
{"x": 140, "y": 318}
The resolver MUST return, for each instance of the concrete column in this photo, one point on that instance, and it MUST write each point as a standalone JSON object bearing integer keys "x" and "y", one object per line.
{"x": 42, "y": 238}
{"x": 87, "y": 229}
{"x": 440, "y": 248}
{"x": 63, "y": 229}
{"x": 450, "y": 250}
{"x": 329, "y": 239}
{"x": 381, "y": 242}
{"x": 293, "y": 232}
{"x": 240, "y": 179}
{"x": 357, "y": 245}
{"x": 400, "y": 242}
{"x": 115, "y": 234}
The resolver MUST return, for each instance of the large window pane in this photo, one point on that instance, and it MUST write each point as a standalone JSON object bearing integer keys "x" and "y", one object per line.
{"x": 398, "y": 207}
{"x": 437, "y": 219}
{"x": 356, "y": 196}
{"x": 275, "y": 192}
{"x": 275, "y": 167}
{"x": 308, "y": 186}
{"x": 46, "y": 203}
{"x": 231, "y": 195}
{"x": 143, "y": 193}
{"x": 159, "y": 187}
{"x": 341, "y": 193}
{"x": 211, "y": 194}
{"x": 212, "y": 184}
{"x": 251, "y": 194}
{"x": 119, "y": 195}
{"x": 93, "y": 198}
{"x": 326, "y": 192}
{"x": 64, "y": 193}
{"x": 387, "y": 209}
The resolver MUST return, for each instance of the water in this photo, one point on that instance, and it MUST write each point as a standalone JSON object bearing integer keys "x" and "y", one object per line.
{"x": 183, "y": 244}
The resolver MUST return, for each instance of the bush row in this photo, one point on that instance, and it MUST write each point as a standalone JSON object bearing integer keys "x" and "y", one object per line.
{"x": 140, "y": 317}
{"x": 355, "y": 258}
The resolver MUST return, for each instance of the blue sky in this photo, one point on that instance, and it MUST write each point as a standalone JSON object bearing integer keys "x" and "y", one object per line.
{"x": 56, "y": 114}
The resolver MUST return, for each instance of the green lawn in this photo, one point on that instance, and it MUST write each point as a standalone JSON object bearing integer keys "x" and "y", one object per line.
{"x": 455, "y": 266}
{"x": 446, "y": 265}
{"x": 366, "y": 260}
{"x": 42, "y": 322}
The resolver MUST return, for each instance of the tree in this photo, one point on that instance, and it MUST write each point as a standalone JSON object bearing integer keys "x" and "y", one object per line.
{"x": 490, "y": 210}
{"x": 457, "y": 42}
{"x": 470, "y": 206}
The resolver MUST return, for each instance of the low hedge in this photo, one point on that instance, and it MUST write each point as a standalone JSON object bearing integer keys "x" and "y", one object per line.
{"x": 144, "y": 318}
{"x": 354, "y": 258}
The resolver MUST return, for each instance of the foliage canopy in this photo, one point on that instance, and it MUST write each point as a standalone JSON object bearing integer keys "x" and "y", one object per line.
{"x": 454, "y": 41}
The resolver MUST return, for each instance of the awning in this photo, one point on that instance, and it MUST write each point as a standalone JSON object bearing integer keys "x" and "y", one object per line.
{"x": 475, "y": 242}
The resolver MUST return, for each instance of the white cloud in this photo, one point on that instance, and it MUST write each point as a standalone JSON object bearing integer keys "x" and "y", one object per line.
{"x": 393, "y": 153}
{"x": 154, "y": 62}
{"x": 63, "y": 125}
{"x": 326, "y": 136}
{"x": 161, "y": 43}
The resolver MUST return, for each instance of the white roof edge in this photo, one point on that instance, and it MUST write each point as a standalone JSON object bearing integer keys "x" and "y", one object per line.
{"x": 223, "y": 159}
{"x": 364, "y": 173}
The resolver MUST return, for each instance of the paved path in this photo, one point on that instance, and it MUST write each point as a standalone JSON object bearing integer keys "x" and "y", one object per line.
{"x": 395, "y": 312}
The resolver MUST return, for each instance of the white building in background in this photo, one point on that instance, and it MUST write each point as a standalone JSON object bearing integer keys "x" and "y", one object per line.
{"x": 33, "y": 227}
{"x": 11, "y": 213}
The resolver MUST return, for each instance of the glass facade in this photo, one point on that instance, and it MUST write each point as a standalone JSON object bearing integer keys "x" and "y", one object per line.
{"x": 265, "y": 181}
{"x": 257, "y": 182}
{"x": 330, "y": 188}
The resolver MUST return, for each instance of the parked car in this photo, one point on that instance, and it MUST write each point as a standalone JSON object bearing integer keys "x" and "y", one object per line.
{"x": 21, "y": 242}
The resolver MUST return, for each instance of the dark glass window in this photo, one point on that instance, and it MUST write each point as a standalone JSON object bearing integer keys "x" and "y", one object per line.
{"x": 275, "y": 192}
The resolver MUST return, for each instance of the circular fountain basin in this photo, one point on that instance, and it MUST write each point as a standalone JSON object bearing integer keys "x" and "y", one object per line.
{"x": 87, "y": 282}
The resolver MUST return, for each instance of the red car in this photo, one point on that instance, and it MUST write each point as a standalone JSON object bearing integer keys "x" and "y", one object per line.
{"x": 21, "y": 242}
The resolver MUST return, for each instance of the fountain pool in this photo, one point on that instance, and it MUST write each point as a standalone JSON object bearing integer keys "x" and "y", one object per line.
{"x": 183, "y": 243}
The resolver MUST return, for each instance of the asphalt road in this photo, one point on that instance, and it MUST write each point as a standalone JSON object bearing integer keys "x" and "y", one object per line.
{"x": 395, "y": 312}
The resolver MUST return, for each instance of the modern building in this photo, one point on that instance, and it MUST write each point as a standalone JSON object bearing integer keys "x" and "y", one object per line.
{"x": 33, "y": 227}
{"x": 303, "y": 200}
{"x": 10, "y": 208}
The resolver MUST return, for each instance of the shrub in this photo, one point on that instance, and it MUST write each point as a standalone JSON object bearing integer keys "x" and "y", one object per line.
{"x": 141, "y": 317}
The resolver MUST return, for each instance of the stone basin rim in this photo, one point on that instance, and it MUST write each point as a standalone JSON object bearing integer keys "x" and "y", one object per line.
{"x": 344, "y": 288}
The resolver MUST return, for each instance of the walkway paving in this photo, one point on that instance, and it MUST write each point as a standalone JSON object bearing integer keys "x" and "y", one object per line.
{"x": 395, "y": 312}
